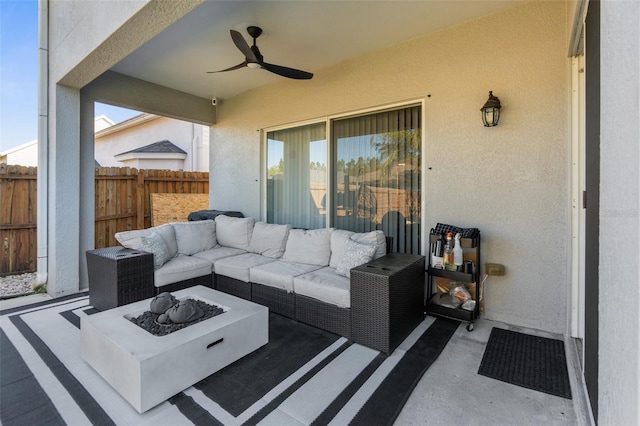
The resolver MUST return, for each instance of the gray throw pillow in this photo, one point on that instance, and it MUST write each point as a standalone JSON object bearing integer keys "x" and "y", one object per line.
{"x": 355, "y": 254}
{"x": 154, "y": 243}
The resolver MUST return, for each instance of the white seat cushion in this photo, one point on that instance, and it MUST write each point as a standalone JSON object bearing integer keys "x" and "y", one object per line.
{"x": 218, "y": 252}
{"x": 196, "y": 236}
{"x": 339, "y": 238}
{"x": 269, "y": 239}
{"x": 279, "y": 274}
{"x": 309, "y": 246}
{"x": 324, "y": 285}
{"x": 181, "y": 268}
{"x": 234, "y": 231}
{"x": 238, "y": 266}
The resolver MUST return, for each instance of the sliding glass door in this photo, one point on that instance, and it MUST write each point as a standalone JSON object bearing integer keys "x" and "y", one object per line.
{"x": 372, "y": 181}
{"x": 377, "y": 175}
{"x": 297, "y": 176}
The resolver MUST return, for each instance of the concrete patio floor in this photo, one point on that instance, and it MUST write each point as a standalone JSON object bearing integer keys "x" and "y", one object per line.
{"x": 451, "y": 392}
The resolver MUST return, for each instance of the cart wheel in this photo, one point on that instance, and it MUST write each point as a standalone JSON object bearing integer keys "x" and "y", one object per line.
{"x": 470, "y": 326}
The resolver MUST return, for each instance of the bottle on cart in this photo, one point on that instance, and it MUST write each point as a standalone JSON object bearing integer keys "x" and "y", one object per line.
{"x": 457, "y": 252}
{"x": 436, "y": 254}
{"x": 447, "y": 257}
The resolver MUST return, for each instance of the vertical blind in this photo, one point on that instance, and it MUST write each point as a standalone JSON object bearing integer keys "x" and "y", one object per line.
{"x": 297, "y": 176}
{"x": 377, "y": 175}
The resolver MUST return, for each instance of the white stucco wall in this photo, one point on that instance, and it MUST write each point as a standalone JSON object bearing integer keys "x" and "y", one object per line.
{"x": 180, "y": 133}
{"x": 510, "y": 181}
{"x": 619, "y": 279}
{"x": 514, "y": 177}
{"x": 79, "y": 41}
{"x": 81, "y": 27}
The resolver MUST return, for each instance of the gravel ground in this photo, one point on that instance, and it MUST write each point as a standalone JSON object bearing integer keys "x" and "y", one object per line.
{"x": 16, "y": 285}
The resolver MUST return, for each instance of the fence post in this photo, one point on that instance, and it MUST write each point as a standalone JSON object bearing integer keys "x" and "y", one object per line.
{"x": 140, "y": 200}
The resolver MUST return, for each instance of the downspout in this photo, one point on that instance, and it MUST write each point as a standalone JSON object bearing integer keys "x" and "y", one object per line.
{"x": 194, "y": 144}
{"x": 43, "y": 144}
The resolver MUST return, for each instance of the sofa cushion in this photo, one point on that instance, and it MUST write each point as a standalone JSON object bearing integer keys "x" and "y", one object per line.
{"x": 154, "y": 243}
{"x": 234, "y": 232}
{"x": 181, "y": 268}
{"x": 238, "y": 266}
{"x": 133, "y": 239}
{"x": 340, "y": 236}
{"x": 324, "y": 285}
{"x": 194, "y": 237}
{"x": 218, "y": 252}
{"x": 308, "y": 246}
{"x": 269, "y": 239}
{"x": 355, "y": 254}
{"x": 375, "y": 238}
{"x": 279, "y": 274}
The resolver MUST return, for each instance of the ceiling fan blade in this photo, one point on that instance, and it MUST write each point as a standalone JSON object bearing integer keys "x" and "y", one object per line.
{"x": 242, "y": 45}
{"x": 286, "y": 71}
{"x": 235, "y": 67}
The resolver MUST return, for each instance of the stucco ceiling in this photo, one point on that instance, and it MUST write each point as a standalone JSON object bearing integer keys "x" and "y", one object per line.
{"x": 308, "y": 35}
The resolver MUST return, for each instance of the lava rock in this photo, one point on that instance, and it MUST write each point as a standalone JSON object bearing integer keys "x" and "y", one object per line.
{"x": 150, "y": 322}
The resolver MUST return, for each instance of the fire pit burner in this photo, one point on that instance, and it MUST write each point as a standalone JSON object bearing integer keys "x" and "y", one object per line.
{"x": 149, "y": 320}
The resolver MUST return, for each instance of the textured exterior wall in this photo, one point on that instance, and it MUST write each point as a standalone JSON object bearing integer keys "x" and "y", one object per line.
{"x": 79, "y": 41}
{"x": 511, "y": 181}
{"x": 180, "y": 133}
{"x": 80, "y": 28}
{"x": 619, "y": 338}
{"x": 91, "y": 36}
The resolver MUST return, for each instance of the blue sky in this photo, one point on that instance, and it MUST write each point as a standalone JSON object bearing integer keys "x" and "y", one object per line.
{"x": 19, "y": 75}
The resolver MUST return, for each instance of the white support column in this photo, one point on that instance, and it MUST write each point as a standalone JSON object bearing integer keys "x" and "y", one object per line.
{"x": 87, "y": 185}
{"x": 64, "y": 187}
{"x": 619, "y": 271}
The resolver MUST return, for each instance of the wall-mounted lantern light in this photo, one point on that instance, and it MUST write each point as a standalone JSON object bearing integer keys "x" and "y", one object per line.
{"x": 491, "y": 111}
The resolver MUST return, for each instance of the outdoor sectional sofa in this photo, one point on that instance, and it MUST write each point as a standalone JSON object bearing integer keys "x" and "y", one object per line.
{"x": 301, "y": 274}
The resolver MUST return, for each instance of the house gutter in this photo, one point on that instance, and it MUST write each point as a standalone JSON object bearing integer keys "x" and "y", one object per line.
{"x": 43, "y": 145}
{"x": 194, "y": 146}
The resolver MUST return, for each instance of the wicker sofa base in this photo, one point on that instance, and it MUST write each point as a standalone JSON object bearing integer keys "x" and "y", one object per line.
{"x": 323, "y": 315}
{"x": 277, "y": 300}
{"x": 386, "y": 294}
{"x": 232, "y": 286}
{"x": 205, "y": 280}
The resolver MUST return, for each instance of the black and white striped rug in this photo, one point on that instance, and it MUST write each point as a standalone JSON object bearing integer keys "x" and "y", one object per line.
{"x": 303, "y": 376}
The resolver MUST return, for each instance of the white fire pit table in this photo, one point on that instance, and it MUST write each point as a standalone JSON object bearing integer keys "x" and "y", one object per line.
{"x": 147, "y": 369}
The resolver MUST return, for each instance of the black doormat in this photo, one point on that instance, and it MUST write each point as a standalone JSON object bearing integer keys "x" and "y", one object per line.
{"x": 533, "y": 362}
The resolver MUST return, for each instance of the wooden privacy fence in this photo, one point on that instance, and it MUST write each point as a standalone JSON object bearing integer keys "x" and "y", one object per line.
{"x": 122, "y": 203}
{"x": 18, "y": 195}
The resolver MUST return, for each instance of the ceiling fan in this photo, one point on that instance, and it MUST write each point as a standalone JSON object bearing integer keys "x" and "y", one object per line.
{"x": 253, "y": 57}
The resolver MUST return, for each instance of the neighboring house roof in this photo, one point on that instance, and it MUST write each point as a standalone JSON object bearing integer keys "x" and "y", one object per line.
{"x": 25, "y": 154}
{"x": 161, "y": 146}
{"x": 18, "y": 148}
{"x": 159, "y": 150}
{"x": 132, "y": 122}
{"x": 102, "y": 122}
